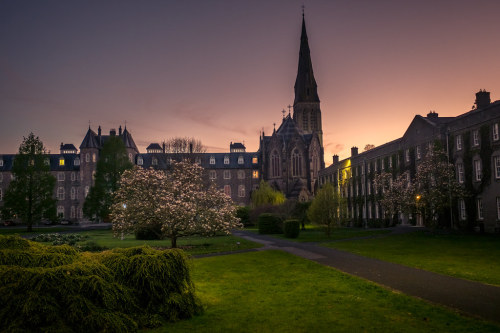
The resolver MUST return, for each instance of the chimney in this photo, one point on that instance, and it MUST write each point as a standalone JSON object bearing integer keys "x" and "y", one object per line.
{"x": 120, "y": 130}
{"x": 335, "y": 159}
{"x": 112, "y": 132}
{"x": 432, "y": 115}
{"x": 354, "y": 151}
{"x": 482, "y": 99}
{"x": 190, "y": 147}
{"x": 163, "y": 147}
{"x": 99, "y": 131}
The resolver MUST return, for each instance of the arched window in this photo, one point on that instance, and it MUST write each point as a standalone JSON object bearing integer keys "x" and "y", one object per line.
{"x": 241, "y": 191}
{"x": 227, "y": 190}
{"x": 212, "y": 159}
{"x": 154, "y": 161}
{"x": 296, "y": 163}
{"x": 314, "y": 121}
{"x": 60, "y": 193}
{"x": 240, "y": 160}
{"x": 77, "y": 161}
{"x": 87, "y": 157}
{"x": 275, "y": 164}
{"x": 139, "y": 160}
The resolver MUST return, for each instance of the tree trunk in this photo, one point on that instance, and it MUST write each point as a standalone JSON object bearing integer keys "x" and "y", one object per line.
{"x": 174, "y": 242}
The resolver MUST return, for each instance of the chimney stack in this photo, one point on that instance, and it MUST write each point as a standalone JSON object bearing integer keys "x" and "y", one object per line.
{"x": 354, "y": 151}
{"x": 482, "y": 99}
{"x": 335, "y": 159}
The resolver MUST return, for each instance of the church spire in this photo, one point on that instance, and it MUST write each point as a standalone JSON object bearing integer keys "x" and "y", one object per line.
{"x": 305, "y": 85}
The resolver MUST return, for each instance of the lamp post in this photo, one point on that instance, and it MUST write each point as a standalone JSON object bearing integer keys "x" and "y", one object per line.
{"x": 417, "y": 198}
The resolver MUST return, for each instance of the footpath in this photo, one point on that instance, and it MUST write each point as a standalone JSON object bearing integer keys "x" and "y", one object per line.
{"x": 473, "y": 298}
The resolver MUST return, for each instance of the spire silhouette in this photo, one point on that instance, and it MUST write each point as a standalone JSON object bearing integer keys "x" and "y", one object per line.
{"x": 305, "y": 87}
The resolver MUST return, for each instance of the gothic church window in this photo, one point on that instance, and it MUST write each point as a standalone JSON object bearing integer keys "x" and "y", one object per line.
{"x": 313, "y": 121}
{"x": 275, "y": 165}
{"x": 296, "y": 164}
{"x": 305, "y": 121}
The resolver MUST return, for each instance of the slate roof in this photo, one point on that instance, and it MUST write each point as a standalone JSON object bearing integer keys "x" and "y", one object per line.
{"x": 163, "y": 160}
{"x": 92, "y": 140}
{"x": 69, "y": 162}
{"x": 154, "y": 146}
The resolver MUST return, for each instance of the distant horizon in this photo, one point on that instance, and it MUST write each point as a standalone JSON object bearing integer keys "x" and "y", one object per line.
{"x": 222, "y": 71}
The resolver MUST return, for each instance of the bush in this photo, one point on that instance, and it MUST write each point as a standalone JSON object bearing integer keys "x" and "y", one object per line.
{"x": 148, "y": 232}
{"x": 243, "y": 213}
{"x": 92, "y": 246}
{"x": 270, "y": 224}
{"x": 291, "y": 228}
{"x": 58, "y": 289}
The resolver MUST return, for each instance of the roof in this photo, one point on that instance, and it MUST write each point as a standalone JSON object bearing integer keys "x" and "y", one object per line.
{"x": 154, "y": 146}
{"x": 68, "y": 146}
{"x": 90, "y": 140}
{"x": 237, "y": 145}
{"x": 163, "y": 160}
{"x": 69, "y": 162}
{"x": 305, "y": 87}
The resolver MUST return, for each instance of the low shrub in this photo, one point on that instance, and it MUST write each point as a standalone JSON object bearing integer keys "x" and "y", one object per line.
{"x": 270, "y": 224}
{"x": 91, "y": 246}
{"x": 291, "y": 228}
{"x": 60, "y": 239}
{"x": 59, "y": 289}
{"x": 243, "y": 213}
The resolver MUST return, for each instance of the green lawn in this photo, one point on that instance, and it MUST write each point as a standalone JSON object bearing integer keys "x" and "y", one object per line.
{"x": 472, "y": 257}
{"x": 192, "y": 245}
{"x": 272, "y": 291}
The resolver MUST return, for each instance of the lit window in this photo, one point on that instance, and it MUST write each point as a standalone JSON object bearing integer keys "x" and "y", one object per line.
{"x": 94, "y": 157}
{"x": 475, "y": 138}
{"x": 227, "y": 174}
{"x": 241, "y": 191}
{"x": 497, "y": 167}
{"x": 255, "y": 174}
{"x": 477, "y": 170}
{"x": 463, "y": 213}
{"x": 60, "y": 193}
{"x": 241, "y": 160}
{"x": 495, "y": 132}
{"x": 241, "y": 174}
{"x": 77, "y": 161}
{"x": 61, "y": 161}
{"x": 459, "y": 142}
{"x": 73, "y": 193}
{"x": 479, "y": 203}
{"x": 212, "y": 160}
{"x": 60, "y": 211}
{"x": 418, "y": 152}
{"x": 226, "y": 159}
{"x": 255, "y": 160}
{"x": 213, "y": 174}
{"x": 140, "y": 161}
{"x": 227, "y": 190}
{"x": 460, "y": 172}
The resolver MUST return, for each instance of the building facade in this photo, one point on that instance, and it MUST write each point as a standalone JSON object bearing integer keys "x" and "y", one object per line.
{"x": 472, "y": 143}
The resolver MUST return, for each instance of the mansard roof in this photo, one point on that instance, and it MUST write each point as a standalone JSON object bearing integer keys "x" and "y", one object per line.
{"x": 155, "y": 146}
{"x": 69, "y": 162}
{"x": 163, "y": 160}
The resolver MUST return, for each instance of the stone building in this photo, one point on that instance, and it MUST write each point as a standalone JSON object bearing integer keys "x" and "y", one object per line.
{"x": 293, "y": 155}
{"x": 472, "y": 143}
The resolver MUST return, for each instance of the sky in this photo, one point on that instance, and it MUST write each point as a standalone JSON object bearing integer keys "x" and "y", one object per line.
{"x": 223, "y": 70}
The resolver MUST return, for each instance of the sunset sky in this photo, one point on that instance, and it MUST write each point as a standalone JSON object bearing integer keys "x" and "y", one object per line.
{"x": 222, "y": 71}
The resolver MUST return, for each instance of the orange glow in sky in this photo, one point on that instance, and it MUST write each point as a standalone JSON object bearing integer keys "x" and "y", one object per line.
{"x": 222, "y": 71}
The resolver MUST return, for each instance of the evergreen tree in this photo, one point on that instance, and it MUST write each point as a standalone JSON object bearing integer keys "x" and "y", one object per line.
{"x": 113, "y": 161}
{"x": 30, "y": 194}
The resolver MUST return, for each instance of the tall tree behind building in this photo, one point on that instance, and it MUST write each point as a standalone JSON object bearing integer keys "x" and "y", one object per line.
{"x": 184, "y": 148}
{"x": 30, "y": 193}
{"x": 112, "y": 162}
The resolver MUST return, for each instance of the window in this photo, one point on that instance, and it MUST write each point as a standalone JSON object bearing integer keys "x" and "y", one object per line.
{"x": 479, "y": 203}
{"x": 495, "y": 132}
{"x": 255, "y": 160}
{"x": 87, "y": 157}
{"x": 198, "y": 160}
{"x": 255, "y": 174}
{"x": 357, "y": 189}
{"x": 369, "y": 188}
{"x": 475, "y": 138}
{"x": 86, "y": 191}
{"x": 212, "y": 160}
{"x": 461, "y": 208}
{"x": 390, "y": 161}
{"x": 241, "y": 174}
{"x": 363, "y": 188}
{"x": 60, "y": 176}
{"x": 459, "y": 142}
{"x": 77, "y": 161}
{"x": 154, "y": 161}
{"x": 241, "y": 160}
{"x": 226, "y": 159}
{"x": 363, "y": 170}
{"x": 61, "y": 161}
{"x": 1, "y": 195}
{"x": 227, "y": 174}
{"x": 227, "y": 190}
{"x": 46, "y": 161}
{"x": 498, "y": 208}
{"x": 368, "y": 168}
{"x": 1, "y": 177}
{"x": 73, "y": 176}
{"x": 382, "y": 166}
{"x": 407, "y": 155}
{"x": 417, "y": 152}
{"x": 460, "y": 172}
{"x": 130, "y": 157}
{"x": 241, "y": 191}
{"x": 296, "y": 164}
{"x": 140, "y": 161}
{"x": 60, "y": 211}
{"x": 1, "y": 163}
{"x": 375, "y": 165}
{"x": 497, "y": 167}
{"x": 60, "y": 193}
{"x": 477, "y": 170}
{"x": 369, "y": 210}
{"x": 94, "y": 158}
{"x": 73, "y": 193}
{"x": 275, "y": 165}
{"x": 212, "y": 174}
{"x": 376, "y": 211}
{"x": 72, "y": 214}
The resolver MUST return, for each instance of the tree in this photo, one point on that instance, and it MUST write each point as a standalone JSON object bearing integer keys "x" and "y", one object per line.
{"x": 396, "y": 194}
{"x": 184, "y": 148}
{"x": 30, "y": 193}
{"x": 266, "y": 195}
{"x": 176, "y": 204}
{"x": 327, "y": 208}
{"x": 113, "y": 161}
{"x": 434, "y": 186}
{"x": 369, "y": 146}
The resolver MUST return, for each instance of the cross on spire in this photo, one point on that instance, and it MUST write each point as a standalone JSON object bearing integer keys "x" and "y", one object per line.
{"x": 289, "y": 107}
{"x": 283, "y": 112}
{"x": 303, "y": 7}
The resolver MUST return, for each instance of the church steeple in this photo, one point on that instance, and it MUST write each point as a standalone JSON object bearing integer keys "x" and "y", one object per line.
{"x": 306, "y": 89}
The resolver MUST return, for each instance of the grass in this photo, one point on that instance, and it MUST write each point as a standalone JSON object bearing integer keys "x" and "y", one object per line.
{"x": 317, "y": 234}
{"x": 192, "y": 245}
{"x": 272, "y": 291}
{"x": 472, "y": 257}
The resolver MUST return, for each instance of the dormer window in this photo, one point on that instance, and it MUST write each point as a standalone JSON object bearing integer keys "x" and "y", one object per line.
{"x": 212, "y": 160}
{"x": 140, "y": 161}
{"x": 255, "y": 160}
{"x": 77, "y": 161}
{"x": 241, "y": 160}
{"x": 61, "y": 161}
{"x": 226, "y": 159}
{"x": 1, "y": 163}
{"x": 154, "y": 161}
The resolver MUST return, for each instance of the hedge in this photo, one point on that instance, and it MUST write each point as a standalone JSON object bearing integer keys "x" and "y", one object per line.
{"x": 291, "y": 228}
{"x": 270, "y": 224}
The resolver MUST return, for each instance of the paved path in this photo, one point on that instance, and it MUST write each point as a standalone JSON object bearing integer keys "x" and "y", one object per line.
{"x": 474, "y": 298}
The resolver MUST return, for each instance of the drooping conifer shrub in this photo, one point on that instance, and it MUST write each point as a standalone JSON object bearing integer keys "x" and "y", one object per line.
{"x": 58, "y": 289}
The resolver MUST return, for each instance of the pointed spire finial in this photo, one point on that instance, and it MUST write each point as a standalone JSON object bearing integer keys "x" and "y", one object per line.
{"x": 303, "y": 7}
{"x": 283, "y": 112}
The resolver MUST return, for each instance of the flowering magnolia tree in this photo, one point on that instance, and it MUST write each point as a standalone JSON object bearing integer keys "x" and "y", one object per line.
{"x": 176, "y": 204}
{"x": 396, "y": 194}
